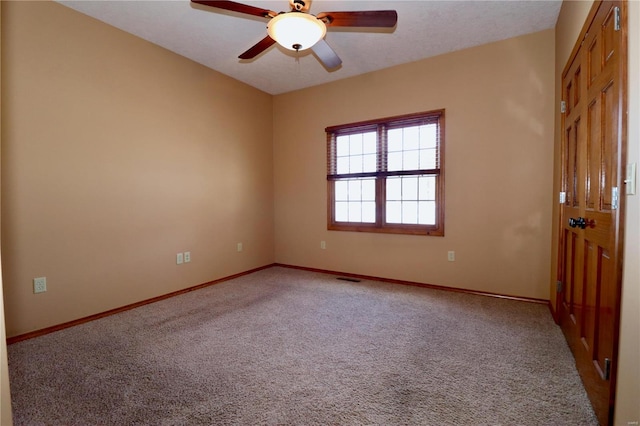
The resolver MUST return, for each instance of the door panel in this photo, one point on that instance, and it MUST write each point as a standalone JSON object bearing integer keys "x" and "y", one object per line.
{"x": 590, "y": 237}
{"x": 594, "y": 61}
{"x": 609, "y": 41}
{"x": 569, "y": 296}
{"x": 590, "y": 286}
{"x": 606, "y": 311}
{"x": 594, "y": 156}
{"x": 609, "y": 143}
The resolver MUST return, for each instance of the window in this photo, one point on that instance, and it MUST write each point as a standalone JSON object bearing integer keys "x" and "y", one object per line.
{"x": 387, "y": 175}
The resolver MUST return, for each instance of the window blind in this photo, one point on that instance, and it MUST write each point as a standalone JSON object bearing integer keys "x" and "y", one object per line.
{"x": 385, "y": 147}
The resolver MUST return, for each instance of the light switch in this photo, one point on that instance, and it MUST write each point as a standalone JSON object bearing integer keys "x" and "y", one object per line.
{"x": 630, "y": 180}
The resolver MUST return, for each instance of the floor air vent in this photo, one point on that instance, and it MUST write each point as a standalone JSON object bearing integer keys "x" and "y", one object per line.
{"x": 353, "y": 280}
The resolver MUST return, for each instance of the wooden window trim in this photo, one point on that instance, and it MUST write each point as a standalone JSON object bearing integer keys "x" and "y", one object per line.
{"x": 382, "y": 126}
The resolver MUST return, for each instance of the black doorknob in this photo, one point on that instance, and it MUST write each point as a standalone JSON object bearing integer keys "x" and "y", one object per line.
{"x": 577, "y": 222}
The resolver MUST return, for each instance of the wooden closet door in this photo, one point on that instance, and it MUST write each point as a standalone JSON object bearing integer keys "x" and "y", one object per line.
{"x": 590, "y": 235}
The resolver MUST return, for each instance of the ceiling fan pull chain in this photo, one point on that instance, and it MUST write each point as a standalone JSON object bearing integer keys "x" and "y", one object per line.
{"x": 298, "y": 55}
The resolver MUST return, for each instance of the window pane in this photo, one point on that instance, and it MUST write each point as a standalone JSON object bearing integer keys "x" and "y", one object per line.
{"x": 355, "y": 164}
{"x": 410, "y": 212}
{"x": 369, "y": 189}
{"x": 427, "y": 212}
{"x": 394, "y": 161}
{"x": 355, "y": 144}
{"x": 355, "y": 190}
{"x": 409, "y": 188}
{"x": 370, "y": 145}
{"x": 410, "y": 160}
{"x": 411, "y": 137}
{"x": 355, "y": 211}
{"x": 394, "y": 212}
{"x": 394, "y": 140}
{"x": 427, "y": 188}
{"x": 429, "y": 136}
{"x": 369, "y": 163}
{"x": 394, "y": 189}
{"x": 343, "y": 165}
{"x": 341, "y": 190}
{"x": 342, "y": 212}
{"x": 349, "y": 205}
{"x": 427, "y": 158}
{"x": 342, "y": 146}
{"x": 369, "y": 212}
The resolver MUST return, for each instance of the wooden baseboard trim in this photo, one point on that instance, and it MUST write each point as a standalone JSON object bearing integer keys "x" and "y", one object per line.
{"x": 54, "y": 328}
{"x": 416, "y": 284}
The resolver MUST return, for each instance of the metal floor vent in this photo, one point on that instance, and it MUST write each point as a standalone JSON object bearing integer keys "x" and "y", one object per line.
{"x": 353, "y": 280}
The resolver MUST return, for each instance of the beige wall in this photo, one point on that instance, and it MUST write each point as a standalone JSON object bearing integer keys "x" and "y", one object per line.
{"x": 499, "y": 166}
{"x": 570, "y": 23}
{"x": 5, "y": 394}
{"x": 116, "y": 155}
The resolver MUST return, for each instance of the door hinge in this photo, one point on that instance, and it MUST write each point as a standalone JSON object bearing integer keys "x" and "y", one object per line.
{"x": 616, "y": 18}
{"x": 563, "y": 197}
{"x": 558, "y": 286}
{"x": 607, "y": 368}
{"x": 614, "y": 198}
{"x": 563, "y": 107}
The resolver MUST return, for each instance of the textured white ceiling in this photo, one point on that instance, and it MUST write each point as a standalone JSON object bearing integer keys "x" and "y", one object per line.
{"x": 215, "y": 38}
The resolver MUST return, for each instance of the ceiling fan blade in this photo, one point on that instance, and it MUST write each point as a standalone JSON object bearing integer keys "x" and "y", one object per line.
{"x": 325, "y": 53}
{"x": 366, "y": 18}
{"x": 237, "y": 7}
{"x": 258, "y": 48}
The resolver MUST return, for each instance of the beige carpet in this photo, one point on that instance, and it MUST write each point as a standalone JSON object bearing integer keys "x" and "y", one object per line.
{"x": 284, "y": 346}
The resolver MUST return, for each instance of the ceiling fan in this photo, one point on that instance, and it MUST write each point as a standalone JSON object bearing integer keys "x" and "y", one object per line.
{"x": 299, "y": 30}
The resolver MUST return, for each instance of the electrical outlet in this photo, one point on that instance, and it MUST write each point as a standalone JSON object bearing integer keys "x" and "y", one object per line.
{"x": 239, "y": 247}
{"x": 187, "y": 256}
{"x": 323, "y": 245}
{"x": 179, "y": 259}
{"x": 451, "y": 256}
{"x": 40, "y": 285}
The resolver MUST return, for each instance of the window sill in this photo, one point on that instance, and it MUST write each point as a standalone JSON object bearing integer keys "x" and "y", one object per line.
{"x": 388, "y": 229}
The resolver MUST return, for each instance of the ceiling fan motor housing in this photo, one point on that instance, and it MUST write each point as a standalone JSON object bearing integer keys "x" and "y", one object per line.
{"x": 300, "y": 5}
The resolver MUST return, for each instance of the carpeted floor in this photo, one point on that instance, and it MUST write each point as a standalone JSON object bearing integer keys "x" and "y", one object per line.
{"x": 284, "y": 346}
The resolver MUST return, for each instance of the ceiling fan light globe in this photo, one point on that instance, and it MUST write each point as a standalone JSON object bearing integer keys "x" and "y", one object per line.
{"x": 296, "y": 30}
